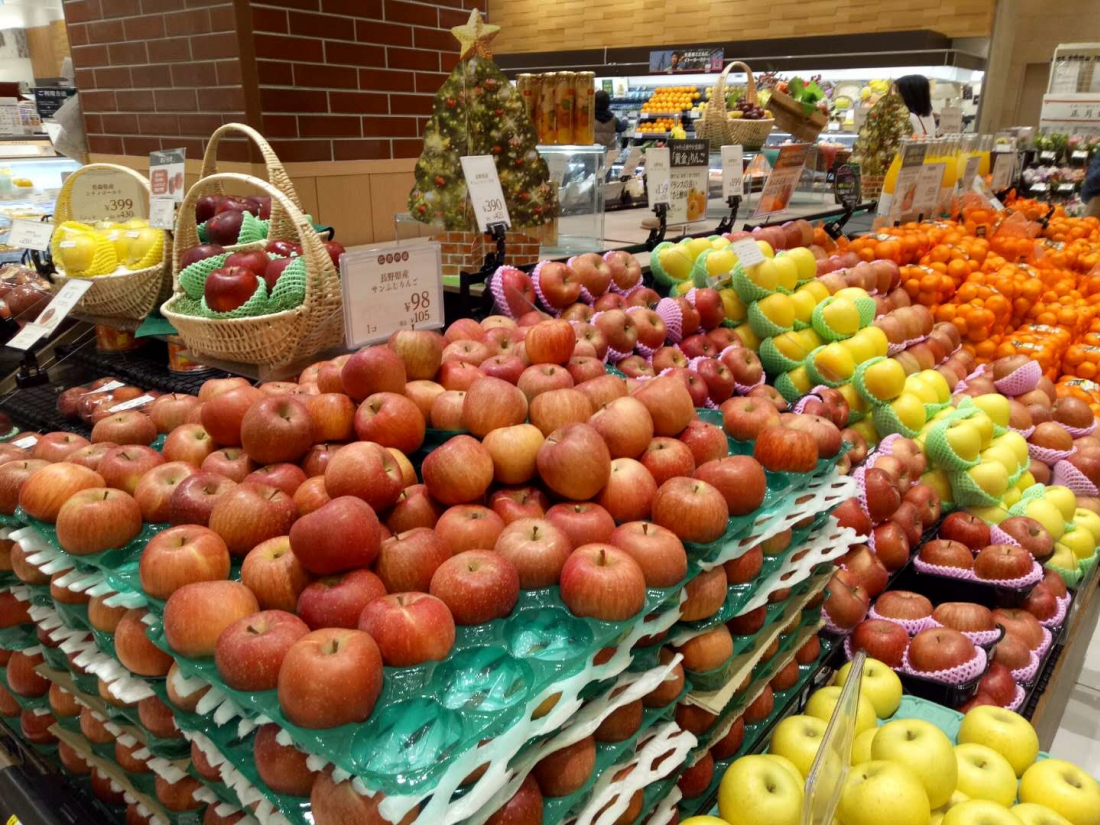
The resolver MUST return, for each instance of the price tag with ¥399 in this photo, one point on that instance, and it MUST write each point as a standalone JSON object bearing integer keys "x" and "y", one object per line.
{"x": 483, "y": 184}
{"x": 392, "y": 288}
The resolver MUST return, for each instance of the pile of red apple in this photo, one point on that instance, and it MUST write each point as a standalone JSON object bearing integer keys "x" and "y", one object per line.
{"x": 964, "y": 544}
{"x": 222, "y": 215}
{"x": 891, "y": 516}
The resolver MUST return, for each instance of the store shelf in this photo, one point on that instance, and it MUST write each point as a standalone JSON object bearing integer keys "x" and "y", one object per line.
{"x": 35, "y": 408}
{"x": 145, "y": 367}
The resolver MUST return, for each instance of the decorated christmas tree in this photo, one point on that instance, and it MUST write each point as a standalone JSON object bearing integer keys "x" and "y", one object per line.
{"x": 880, "y": 136}
{"x": 478, "y": 112}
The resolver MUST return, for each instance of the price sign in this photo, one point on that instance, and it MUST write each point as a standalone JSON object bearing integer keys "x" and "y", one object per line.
{"x": 110, "y": 386}
{"x": 132, "y": 404}
{"x": 899, "y": 202}
{"x": 733, "y": 171}
{"x": 55, "y": 312}
{"x": 951, "y": 120}
{"x": 928, "y": 189}
{"x": 848, "y": 186}
{"x": 1004, "y": 167}
{"x": 27, "y": 234}
{"x": 689, "y": 180}
{"x": 783, "y": 179}
{"x": 1038, "y": 187}
{"x": 1065, "y": 187}
{"x": 748, "y": 252}
{"x": 162, "y": 213}
{"x": 633, "y": 158}
{"x": 26, "y": 442}
{"x": 166, "y": 170}
{"x": 27, "y": 337}
{"x": 970, "y": 171}
{"x": 106, "y": 194}
{"x": 1046, "y": 156}
{"x": 657, "y": 173}
{"x": 483, "y": 185}
{"x": 387, "y": 289}
{"x": 1080, "y": 154}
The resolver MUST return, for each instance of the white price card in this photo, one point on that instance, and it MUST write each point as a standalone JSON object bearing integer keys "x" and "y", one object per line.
{"x": 26, "y": 442}
{"x": 1046, "y": 156}
{"x": 951, "y": 120}
{"x": 633, "y": 158}
{"x": 27, "y": 234}
{"x": 928, "y": 189}
{"x": 658, "y": 175}
{"x": 748, "y": 252}
{"x": 388, "y": 289}
{"x": 1038, "y": 187}
{"x": 1004, "y": 167}
{"x": 63, "y": 302}
{"x": 107, "y": 194}
{"x": 483, "y": 184}
{"x": 733, "y": 171}
{"x": 1065, "y": 187}
{"x": 970, "y": 171}
{"x": 27, "y": 337}
{"x": 166, "y": 174}
{"x": 162, "y": 213}
{"x": 1080, "y": 154}
{"x": 110, "y": 386}
{"x": 132, "y": 404}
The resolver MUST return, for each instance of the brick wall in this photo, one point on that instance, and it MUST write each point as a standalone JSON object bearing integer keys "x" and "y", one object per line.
{"x": 352, "y": 79}
{"x": 156, "y": 74}
{"x": 539, "y": 26}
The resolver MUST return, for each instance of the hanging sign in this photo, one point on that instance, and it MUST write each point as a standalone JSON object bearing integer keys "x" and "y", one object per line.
{"x": 783, "y": 179}
{"x": 483, "y": 186}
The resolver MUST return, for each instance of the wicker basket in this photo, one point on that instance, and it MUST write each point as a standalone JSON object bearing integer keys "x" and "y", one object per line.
{"x": 790, "y": 116}
{"x": 279, "y": 338}
{"x": 716, "y": 125}
{"x": 122, "y": 299}
{"x": 276, "y": 175}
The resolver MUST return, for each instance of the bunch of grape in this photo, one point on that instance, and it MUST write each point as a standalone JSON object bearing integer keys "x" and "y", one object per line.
{"x": 748, "y": 111}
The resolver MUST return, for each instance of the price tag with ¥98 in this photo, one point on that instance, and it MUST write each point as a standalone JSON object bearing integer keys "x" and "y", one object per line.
{"x": 483, "y": 184}
{"x": 389, "y": 289}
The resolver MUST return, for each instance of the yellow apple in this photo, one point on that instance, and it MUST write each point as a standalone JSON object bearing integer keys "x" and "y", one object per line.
{"x": 854, "y": 399}
{"x": 1018, "y": 444}
{"x": 884, "y": 379}
{"x": 759, "y": 791}
{"x": 861, "y": 746}
{"x": 852, "y": 292}
{"x": 1063, "y": 498}
{"x": 1064, "y": 788}
{"x": 141, "y": 244}
{"x": 991, "y": 478}
{"x": 964, "y": 438}
{"x": 1030, "y": 813}
{"x": 696, "y": 246}
{"x": 1080, "y": 542}
{"x": 735, "y": 308}
{"x": 675, "y": 261}
{"x": 1047, "y": 515}
{"x": 841, "y": 316}
{"x": 704, "y": 820}
{"x": 834, "y": 362}
{"x": 804, "y": 260}
{"x": 938, "y": 480}
{"x": 720, "y": 262}
{"x": 779, "y": 309}
{"x": 77, "y": 252}
{"x": 1003, "y": 455}
{"x": 804, "y": 303}
{"x": 748, "y": 338}
{"x": 880, "y": 684}
{"x": 995, "y": 406}
{"x": 881, "y": 792}
{"x": 1025, "y": 480}
{"x": 810, "y": 338}
{"x": 815, "y": 288}
{"x": 120, "y": 239}
{"x": 823, "y": 701}
{"x": 800, "y": 379}
{"x": 684, "y": 287}
{"x": 791, "y": 345}
{"x": 721, "y": 242}
{"x": 877, "y": 337}
{"x": 925, "y": 750}
{"x": 798, "y": 739}
{"x": 1063, "y": 557}
{"x": 921, "y": 388}
{"x": 788, "y": 765}
{"x": 768, "y": 252}
{"x": 866, "y": 428}
{"x": 1011, "y": 497}
{"x": 985, "y": 774}
{"x": 910, "y": 410}
{"x": 764, "y": 275}
{"x": 985, "y": 427}
{"x": 938, "y": 383}
{"x": 1006, "y": 732}
{"x": 136, "y": 223}
{"x": 787, "y": 271}
{"x": 1089, "y": 520}
{"x": 979, "y": 812}
{"x": 862, "y": 348}
{"x": 993, "y": 514}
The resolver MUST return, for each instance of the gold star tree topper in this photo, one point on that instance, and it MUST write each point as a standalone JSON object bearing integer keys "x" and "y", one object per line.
{"x": 474, "y": 37}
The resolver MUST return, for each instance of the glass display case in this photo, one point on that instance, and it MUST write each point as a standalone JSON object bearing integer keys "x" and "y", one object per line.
{"x": 31, "y": 174}
{"x": 579, "y": 172}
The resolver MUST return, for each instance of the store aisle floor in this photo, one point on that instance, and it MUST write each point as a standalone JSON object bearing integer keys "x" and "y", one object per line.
{"x": 1078, "y": 737}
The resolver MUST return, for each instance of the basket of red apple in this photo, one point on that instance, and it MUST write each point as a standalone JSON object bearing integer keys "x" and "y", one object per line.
{"x": 124, "y": 257}
{"x": 254, "y": 306}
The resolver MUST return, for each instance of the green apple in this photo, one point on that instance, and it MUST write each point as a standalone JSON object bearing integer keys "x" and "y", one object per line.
{"x": 925, "y": 750}
{"x": 1030, "y": 813}
{"x": 880, "y": 684}
{"x": 798, "y": 739}
{"x": 758, "y": 791}
{"x": 882, "y": 792}
{"x": 1064, "y": 788}
{"x": 789, "y": 765}
{"x": 861, "y": 747}
{"x": 979, "y": 812}
{"x": 823, "y": 702}
{"x": 985, "y": 774}
{"x": 1006, "y": 732}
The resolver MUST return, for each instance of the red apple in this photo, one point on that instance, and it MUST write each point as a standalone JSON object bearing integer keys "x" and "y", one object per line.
{"x": 603, "y": 582}
{"x": 667, "y": 458}
{"x": 134, "y": 649}
{"x": 330, "y": 677}
{"x": 231, "y": 462}
{"x": 1031, "y": 535}
{"x": 197, "y": 613}
{"x": 582, "y": 521}
{"x": 97, "y": 519}
{"x": 407, "y": 561}
{"x": 967, "y": 529}
{"x": 250, "y": 651}
{"x": 629, "y": 492}
{"x": 625, "y": 425}
{"x": 657, "y": 551}
{"x": 250, "y": 514}
{"x": 340, "y": 535}
{"x": 194, "y": 498}
{"x": 367, "y": 471}
{"x": 1022, "y": 624}
{"x": 903, "y": 604}
{"x": 477, "y": 586}
{"x": 223, "y": 414}
{"x": 515, "y": 503}
{"x": 574, "y": 461}
{"x": 669, "y": 404}
{"x": 410, "y": 628}
{"x": 182, "y": 555}
{"x": 1002, "y": 562}
{"x": 123, "y": 467}
{"x": 740, "y": 480}
{"x": 537, "y": 549}
{"x": 847, "y": 602}
{"x": 274, "y": 575}
{"x": 939, "y": 648}
{"x": 457, "y": 472}
{"x": 420, "y": 350}
{"x": 45, "y": 490}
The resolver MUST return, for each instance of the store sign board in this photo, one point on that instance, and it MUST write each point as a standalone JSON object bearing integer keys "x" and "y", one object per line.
{"x": 483, "y": 185}
{"x": 657, "y": 175}
{"x": 107, "y": 195}
{"x": 1077, "y": 114}
{"x": 733, "y": 171}
{"x": 783, "y": 179}
{"x": 388, "y": 289}
{"x": 49, "y": 100}
{"x": 893, "y": 205}
{"x": 27, "y": 234}
{"x": 686, "y": 61}
{"x": 689, "y": 179}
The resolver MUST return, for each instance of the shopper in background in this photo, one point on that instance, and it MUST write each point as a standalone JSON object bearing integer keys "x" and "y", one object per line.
{"x": 608, "y": 126}
{"x": 917, "y": 94}
{"x": 1090, "y": 188}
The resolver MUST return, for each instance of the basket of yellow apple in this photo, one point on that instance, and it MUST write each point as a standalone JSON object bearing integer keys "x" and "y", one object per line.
{"x": 126, "y": 260}
{"x": 912, "y": 762}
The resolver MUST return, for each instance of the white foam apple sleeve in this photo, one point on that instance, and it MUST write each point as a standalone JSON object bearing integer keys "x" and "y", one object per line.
{"x": 246, "y": 792}
{"x": 656, "y": 758}
{"x": 628, "y": 688}
{"x": 821, "y": 494}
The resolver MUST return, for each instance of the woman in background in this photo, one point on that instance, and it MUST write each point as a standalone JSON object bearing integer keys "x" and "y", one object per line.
{"x": 916, "y": 91}
{"x": 608, "y": 127}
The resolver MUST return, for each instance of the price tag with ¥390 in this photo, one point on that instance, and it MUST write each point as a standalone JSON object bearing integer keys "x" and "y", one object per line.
{"x": 388, "y": 289}
{"x": 483, "y": 185}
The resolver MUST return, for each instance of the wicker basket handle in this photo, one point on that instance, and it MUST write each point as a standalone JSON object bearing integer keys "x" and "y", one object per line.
{"x": 63, "y": 211}
{"x": 283, "y": 207}
{"x": 750, "y": 95}
{"x": 276, "y": 172}
{"x": 720, "y": 93}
